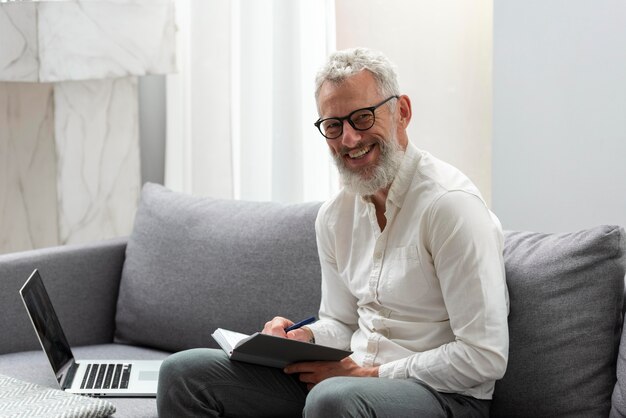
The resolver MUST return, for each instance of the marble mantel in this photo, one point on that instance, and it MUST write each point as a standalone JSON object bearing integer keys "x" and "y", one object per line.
{"x": 69, "y": 136}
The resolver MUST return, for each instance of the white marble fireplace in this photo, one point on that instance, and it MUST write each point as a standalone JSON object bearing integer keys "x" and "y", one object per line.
{"x": 69, "y": 136}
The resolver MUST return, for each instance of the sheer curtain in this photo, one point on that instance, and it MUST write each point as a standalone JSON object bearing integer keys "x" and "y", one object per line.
{"x": 241, "y": 108}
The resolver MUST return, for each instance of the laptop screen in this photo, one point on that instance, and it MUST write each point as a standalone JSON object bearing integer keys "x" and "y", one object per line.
{"x": 46, "y": 323}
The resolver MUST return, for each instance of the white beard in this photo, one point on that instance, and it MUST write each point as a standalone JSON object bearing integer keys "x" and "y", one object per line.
{"x": 368, "y": 181}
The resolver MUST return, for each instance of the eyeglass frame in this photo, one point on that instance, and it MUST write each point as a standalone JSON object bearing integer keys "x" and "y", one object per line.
{"x": 318, "y": 123}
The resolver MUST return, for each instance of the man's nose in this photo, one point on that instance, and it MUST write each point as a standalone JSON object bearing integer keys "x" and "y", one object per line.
{"x": 350, "y": 136}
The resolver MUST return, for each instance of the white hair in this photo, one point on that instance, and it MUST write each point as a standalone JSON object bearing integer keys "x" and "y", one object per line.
{"x": 349, "y": 62}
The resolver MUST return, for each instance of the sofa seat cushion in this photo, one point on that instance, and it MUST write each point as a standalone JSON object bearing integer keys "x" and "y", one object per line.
{"x": 194, "y": 264}
{"x": 566, "y": 298}
{"x": 33, "y": 366}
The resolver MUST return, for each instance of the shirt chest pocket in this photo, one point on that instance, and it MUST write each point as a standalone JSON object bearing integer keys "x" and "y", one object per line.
{"x": 402, "y": 279}
{"x": 400, "y": 254}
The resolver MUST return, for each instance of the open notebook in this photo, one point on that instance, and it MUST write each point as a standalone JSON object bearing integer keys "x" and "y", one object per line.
{"x": 272, "y": 351}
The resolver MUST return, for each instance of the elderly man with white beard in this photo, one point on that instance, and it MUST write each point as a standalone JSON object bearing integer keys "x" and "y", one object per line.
{"x": 412, "y": 280}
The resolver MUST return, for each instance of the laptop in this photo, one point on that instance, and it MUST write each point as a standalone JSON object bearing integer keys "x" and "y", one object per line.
{"x": 115, "y": 378}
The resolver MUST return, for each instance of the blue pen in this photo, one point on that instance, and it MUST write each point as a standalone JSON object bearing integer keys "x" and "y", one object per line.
{"x": 300, "y": 324}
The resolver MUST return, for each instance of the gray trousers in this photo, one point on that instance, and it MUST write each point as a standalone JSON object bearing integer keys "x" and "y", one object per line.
{"x": 205, "y": 383}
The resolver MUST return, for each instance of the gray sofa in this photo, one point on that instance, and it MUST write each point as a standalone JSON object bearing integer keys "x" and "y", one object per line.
{"x": 193, "y": 264}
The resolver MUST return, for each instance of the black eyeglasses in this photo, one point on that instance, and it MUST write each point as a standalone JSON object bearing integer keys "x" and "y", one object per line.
{"x": 360, "y": 120}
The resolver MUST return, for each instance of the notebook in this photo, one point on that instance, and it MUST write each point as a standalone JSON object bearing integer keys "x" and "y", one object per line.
{"x": 268, "y": 350}
{"x": 116, "y": 378}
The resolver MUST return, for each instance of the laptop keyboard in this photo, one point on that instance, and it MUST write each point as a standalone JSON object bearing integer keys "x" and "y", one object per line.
{"x": 106, "y": 376}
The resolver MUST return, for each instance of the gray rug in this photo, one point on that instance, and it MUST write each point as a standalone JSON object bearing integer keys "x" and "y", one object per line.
{"x": 22, "y": 399}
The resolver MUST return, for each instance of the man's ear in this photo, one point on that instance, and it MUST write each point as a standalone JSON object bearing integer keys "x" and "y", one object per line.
{"x": 405, "y": 110}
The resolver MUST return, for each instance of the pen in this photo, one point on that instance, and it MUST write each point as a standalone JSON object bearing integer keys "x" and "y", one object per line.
{"x": 300, "y": 324}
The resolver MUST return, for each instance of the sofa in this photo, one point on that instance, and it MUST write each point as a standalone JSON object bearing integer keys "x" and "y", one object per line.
{"x": 192, "y": 264}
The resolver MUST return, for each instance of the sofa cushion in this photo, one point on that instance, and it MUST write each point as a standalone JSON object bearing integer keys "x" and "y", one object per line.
{"x": 194, "y": 264}
{"x": 618, "y": 401}
{"x": 566, "y": 294}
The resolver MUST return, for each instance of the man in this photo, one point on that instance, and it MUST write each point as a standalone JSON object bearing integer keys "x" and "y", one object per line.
{"x": 412, "y": 280}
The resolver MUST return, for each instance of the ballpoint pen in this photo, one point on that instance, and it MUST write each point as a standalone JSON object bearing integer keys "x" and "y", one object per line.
{"x": 300, "y": 324}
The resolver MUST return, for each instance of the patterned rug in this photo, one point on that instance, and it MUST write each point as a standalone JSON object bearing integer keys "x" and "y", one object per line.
{"x": 19, "y": 399}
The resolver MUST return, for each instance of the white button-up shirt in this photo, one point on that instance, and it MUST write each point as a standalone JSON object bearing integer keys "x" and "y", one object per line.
{"x": 426, "y": 297}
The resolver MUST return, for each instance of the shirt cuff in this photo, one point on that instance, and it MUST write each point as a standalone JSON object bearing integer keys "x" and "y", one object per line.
{"x": 393, "y": 370}
{"x": 325, "y": 336}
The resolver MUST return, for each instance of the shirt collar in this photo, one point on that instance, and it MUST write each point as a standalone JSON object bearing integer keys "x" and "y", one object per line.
{"x": 404, "y": 178}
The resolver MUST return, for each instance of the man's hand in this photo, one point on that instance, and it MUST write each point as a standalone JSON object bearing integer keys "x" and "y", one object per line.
{"x": 277, "y": 327}
{"x": 314, "y": 372}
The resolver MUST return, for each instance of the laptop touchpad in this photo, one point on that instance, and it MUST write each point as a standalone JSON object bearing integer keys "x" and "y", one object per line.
{"x": 149, "y": 375}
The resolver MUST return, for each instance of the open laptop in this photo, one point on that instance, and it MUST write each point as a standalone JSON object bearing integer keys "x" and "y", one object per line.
{"x": 137, "y": 378}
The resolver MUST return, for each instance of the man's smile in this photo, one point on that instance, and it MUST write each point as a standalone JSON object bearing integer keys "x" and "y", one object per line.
{"x": 359, "y": 152}
{"x": 360, "y": 157}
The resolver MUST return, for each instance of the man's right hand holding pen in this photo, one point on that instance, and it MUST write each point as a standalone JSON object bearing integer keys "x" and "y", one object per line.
{"x": 283, "y": 327}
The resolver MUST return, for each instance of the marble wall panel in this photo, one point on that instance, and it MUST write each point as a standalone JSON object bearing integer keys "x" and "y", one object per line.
{"x": 104, "y": 39}
{"x": 18, "y": 42}
{"x": 28, "y": 193}
{"x": 97, "y": 143}
{"x": 69, "y": 150}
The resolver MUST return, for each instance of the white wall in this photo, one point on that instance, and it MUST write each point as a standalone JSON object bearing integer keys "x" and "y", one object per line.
{"x": 559, "y": 152}
{"x": 443, "y": 53}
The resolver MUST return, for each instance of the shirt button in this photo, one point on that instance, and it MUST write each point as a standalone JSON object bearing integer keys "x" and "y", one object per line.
{"x": 378, "y": 255}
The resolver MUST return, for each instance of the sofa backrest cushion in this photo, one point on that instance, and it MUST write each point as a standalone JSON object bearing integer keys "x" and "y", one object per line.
{"x": 566, "y": 298}
{"x": 618, "y": 401}
{"x": 194, "y": 264}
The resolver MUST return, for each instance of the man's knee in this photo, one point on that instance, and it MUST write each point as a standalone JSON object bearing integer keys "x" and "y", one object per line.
{"x": 171, "y": 375}
{"x": 336, "y": 397}
{"x": 174, "y": 367}
{"x": 176, "y": 377}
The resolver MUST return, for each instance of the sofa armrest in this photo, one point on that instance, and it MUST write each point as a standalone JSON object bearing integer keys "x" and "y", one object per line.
{"x": 83, "y": 283}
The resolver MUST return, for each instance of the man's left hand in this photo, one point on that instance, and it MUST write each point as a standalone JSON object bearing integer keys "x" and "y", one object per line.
{"x": 314, "y": 372}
